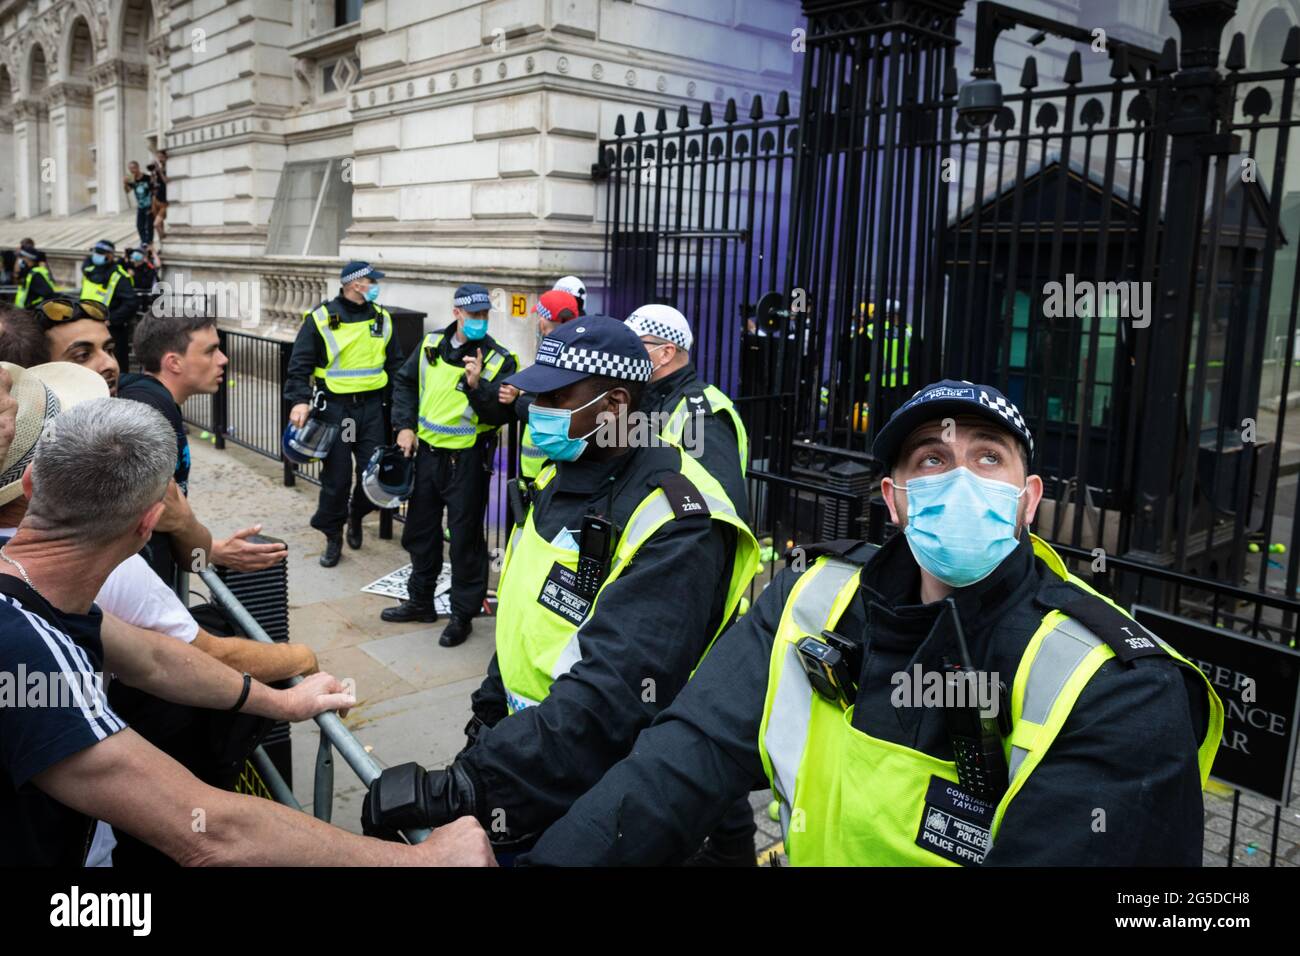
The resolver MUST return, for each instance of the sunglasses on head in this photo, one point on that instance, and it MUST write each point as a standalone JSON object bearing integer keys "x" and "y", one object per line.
{"x": 66, "y": 310}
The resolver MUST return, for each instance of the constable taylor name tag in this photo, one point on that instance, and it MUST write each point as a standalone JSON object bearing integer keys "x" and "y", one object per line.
{"x": 560, "y": 594}
{"x": 955, "y": 825}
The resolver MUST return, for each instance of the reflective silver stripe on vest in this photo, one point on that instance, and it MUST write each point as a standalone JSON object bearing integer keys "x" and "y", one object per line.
{"x": 1061, "y": 652}
{"x": 333, "y": 370}
{"x": 657, "y": 510}
{"x": 446, "y": 429}
{"x": 532, "y": 451}
{"x": 787, "y": 724}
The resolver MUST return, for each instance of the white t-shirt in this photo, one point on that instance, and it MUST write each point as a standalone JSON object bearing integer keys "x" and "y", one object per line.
{"x": 136, "y": 594}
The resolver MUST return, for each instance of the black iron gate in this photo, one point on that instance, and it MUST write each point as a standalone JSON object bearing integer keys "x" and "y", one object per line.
{"x": 1115, "y": 252}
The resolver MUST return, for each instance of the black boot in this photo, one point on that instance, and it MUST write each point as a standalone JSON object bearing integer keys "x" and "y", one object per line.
{"x": 333, "y": 550}
{"x": 354, "y": 533}
{"x": 456, "y": 631}
{"x": 409, "y": 611}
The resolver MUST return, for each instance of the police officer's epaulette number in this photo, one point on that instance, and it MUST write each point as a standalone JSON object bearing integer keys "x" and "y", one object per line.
{"x": 683, "y": 497}
{"x": 1125, "y": 636}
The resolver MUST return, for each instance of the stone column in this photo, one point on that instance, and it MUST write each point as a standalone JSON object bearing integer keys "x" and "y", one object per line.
{"x": 72, "y": 134}
{"x": 109, "y": 108}
{"x": 29, "y": 131}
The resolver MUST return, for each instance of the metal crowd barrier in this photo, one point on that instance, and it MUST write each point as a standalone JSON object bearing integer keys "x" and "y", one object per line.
{"x": 333, "y": 734}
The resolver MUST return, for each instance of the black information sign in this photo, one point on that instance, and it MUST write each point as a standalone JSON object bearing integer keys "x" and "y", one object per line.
{"x": 1259, "y": 684}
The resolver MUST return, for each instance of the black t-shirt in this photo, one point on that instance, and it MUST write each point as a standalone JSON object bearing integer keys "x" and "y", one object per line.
{"x": 59, "y": 656}
{"x": 147, "y": 389}
{"x": 150, "y": 391}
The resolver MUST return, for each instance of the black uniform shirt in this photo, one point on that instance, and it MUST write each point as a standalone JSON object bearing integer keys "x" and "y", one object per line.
{"x": 644, "y": 637}
{"x": 718, "y": 445}
{"x": 309, "y": 350}
{"x": 483, "y": 397}
{"x": 1129, "y": 746}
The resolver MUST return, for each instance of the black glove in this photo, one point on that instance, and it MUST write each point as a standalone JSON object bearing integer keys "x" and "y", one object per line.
{"x": 406, "y": 797}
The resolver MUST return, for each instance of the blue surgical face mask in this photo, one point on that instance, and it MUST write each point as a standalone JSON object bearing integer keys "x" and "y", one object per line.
{"x": 137, "y": 257}
{"x": 372, "y": 294}
{"x": 960, "y": 526}
{"x": 98, "y": 258}
{"x": 550, "y": 429}
{"x": 475, "y": 328}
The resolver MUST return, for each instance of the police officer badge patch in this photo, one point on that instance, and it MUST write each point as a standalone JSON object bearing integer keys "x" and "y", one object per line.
{"x": 954, "y": 824}
{"x": 560, "y": 594}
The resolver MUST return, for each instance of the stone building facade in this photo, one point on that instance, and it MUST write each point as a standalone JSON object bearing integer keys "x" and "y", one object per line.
{"x": 451, "y": 140}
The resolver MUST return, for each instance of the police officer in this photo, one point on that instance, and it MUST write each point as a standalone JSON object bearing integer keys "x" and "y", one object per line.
{"x": 894, "y": 365}
{"x": 141, "y": 267}
{"x": 104, "y": 280}
{"x": 32, "y": 274}
{"x": 342, "y": 361}
{"x": 576, "y": 288}
{"x": 702, "y": 420}
{"x": 1100, "y": 721}
{"x": 445, "y": 405}
{"x": 699, "y": 417}
{"x": 630, "y": 563}
{"x": 553, "y": 309}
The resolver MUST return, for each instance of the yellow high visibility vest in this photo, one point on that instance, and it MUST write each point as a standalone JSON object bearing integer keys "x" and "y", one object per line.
{"x": 354, "y": 351}
{"x": 849, "y": 799}
{"x": 446, "y": 418}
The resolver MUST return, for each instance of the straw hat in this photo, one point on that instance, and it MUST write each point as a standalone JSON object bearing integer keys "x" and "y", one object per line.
{"x": 42, "y": 392}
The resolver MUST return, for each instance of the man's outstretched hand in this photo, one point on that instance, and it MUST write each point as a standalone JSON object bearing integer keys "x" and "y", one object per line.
{"x": 240, "y": 554}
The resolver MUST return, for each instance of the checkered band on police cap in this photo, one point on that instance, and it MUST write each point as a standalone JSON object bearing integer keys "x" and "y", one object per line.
{"x": 472, "y": 298}
{"x": 662, "y": 322}
{"x": 1008, "y": 411}
{"x": 357, "y": 274}
{"x": 595, "y": 362}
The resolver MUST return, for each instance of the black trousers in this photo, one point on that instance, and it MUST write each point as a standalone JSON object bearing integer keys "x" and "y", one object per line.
{"x": 458, "y": 482}
{"x": 144, "y": 225}
{"x": 340, "y": 496}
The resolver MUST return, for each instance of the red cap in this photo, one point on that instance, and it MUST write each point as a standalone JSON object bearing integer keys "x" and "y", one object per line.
{"x": 552, "y": 305}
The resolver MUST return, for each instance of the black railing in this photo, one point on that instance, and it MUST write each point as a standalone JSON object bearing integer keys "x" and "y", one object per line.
{"x": 834, "y": 258}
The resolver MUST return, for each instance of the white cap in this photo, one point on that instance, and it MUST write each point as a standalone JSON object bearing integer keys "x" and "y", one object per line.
{"x": 573, "y": 285}
{"x": 663, "y": 322}
{"x": 41, "y": 391}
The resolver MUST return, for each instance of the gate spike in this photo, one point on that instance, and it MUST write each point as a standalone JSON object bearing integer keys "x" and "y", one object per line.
{"x": 1236, "y": 53}
{"x": 729, "y": 114}
{"x": 783, "y": 104}
{"x": 1029, "y": 75}
{"x": 706, "y": 114}
{"x": 1073, "y": 69}
{"x": 1168, "y": 62}
{"x": 950, "y": 85}
{"x": 683, "y": 117}
{"x": 639, "y": 126}
{"x": 620, "y": 127}
{"x": 1119, "y": 63}
{"x": 661, "y": 120}
{"x": 756, "y": 108}
{"x": 1291, "y": 52}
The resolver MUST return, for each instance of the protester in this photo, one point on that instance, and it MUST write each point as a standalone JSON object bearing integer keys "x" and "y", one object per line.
{"x": 96, "y": 483}
{"x": 140, "y": 187}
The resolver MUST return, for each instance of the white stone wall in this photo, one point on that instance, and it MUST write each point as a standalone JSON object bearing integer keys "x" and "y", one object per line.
{"x": 470, "y": 125}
